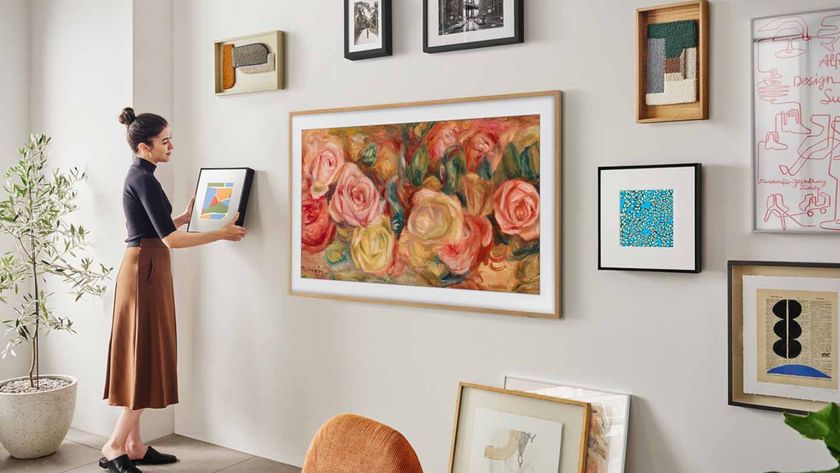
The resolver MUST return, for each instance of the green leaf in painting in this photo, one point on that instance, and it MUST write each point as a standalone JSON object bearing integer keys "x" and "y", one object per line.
{"x": 452, "y": 168}
{"x": 336, "y": 253}
{"x": 418, "y": 167}
{"x": 367, "y": 156}
{"x": 485, "y": 169}
{"x": 509, "y": 167}
{"x": 525, "y": 251}
{"x": 397, "y": 210}
{"x": 529, "y": 162}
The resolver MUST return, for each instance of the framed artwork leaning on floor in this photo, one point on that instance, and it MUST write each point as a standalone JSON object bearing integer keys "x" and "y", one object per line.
{"x": 451, "y": 203}
{"x": 501, "y": 430}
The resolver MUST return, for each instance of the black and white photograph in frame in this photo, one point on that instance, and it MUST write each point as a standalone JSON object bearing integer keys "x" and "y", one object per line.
{"x": 451, "y": 25}
{"x": 649, "y": 217}
{"x": 367, "y": 29}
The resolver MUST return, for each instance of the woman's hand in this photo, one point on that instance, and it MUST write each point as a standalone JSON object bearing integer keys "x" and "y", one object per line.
{"x": 231, "y": 231}
{"x": 185, "y": 217}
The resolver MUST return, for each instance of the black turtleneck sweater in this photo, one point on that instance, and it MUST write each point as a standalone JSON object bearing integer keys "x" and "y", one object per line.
{"x": 148, "y": 213}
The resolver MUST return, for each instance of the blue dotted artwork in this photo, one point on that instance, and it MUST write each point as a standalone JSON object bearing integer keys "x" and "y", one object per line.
{"x": 647, "y": 218}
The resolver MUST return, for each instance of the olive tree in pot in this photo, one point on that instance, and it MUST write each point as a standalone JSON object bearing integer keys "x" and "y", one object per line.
{"x": 36, "y": 410}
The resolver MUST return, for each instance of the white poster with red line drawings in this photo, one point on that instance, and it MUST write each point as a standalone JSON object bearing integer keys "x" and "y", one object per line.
{"x": 796, "y": 122}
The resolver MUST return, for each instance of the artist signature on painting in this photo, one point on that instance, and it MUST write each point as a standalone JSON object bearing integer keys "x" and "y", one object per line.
{"x": 313, "y": 271}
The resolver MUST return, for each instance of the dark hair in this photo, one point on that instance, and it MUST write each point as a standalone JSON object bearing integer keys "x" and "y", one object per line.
{"x": 141, "y": 128}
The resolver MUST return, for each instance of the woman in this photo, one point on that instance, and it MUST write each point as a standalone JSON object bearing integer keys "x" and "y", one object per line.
{"x": 142, "y": 371}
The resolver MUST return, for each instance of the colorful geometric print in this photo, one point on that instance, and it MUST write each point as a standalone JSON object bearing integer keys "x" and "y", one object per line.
{"x": 671, "y": 63}
{"x": 647, "y": 218}
{"x": 216, "y": 200}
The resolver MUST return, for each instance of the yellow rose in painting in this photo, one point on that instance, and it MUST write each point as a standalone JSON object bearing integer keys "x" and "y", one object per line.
{"x": 372, "y": 247}
{"x": 434, "y": 217}
{"x": 478, "y": 194}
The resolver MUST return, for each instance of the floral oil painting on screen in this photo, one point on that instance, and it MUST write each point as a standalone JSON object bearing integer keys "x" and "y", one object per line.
{"x": 449, "y": 204}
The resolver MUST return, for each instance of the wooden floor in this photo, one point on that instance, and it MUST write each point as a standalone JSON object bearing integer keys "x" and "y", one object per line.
{"x": 80, "y": 453}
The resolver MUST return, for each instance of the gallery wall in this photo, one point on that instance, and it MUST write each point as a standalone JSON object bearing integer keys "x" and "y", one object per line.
{"x": 261, "y": 370}
{"x": 14, "y": 95}
{"x": 85, "y": 61}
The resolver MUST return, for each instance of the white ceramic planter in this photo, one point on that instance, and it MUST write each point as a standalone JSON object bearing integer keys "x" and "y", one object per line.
{"x": 33, "y": 425}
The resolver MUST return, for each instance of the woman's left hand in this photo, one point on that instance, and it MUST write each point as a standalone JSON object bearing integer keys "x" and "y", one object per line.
{"x": 184, "y": 218}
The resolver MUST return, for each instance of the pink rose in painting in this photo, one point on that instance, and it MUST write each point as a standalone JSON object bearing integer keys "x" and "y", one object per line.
{"x": 462, "y": 254}
{"x": 482, "y": 144}
{"x": 322, "y": 162}
{"x": 441, "y": 137}
{"x": 516, "y": 204}
{"x": 317, "y": 229}
{"x": 356, "y": 200}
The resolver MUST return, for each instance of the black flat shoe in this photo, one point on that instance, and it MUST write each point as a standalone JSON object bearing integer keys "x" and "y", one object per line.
{"x": 121, "y": 464}
{"x": 154, "y": 457}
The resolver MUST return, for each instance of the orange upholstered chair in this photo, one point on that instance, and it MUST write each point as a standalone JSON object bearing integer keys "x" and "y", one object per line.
{"x": 353, "y": 444}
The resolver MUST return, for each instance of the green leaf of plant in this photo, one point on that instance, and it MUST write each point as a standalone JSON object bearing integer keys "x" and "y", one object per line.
{"x": 821, "y": 425}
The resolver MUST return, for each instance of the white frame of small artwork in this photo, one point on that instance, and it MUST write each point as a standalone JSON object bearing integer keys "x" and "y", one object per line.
{"x": 574, "y": 416}
{"x": 617, "y": 405}
{"x": 684, "y": 256}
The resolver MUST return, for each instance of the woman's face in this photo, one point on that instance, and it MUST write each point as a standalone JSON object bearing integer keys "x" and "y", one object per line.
{"x": 161, "y": 148}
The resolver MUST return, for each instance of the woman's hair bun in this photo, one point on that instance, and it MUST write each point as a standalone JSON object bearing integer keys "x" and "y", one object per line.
{"x": 127, "y": 116}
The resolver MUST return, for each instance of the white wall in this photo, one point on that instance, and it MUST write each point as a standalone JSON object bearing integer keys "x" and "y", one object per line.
{"x": 262, "y": 370}
{"x": 14, "y": 124}
{"x": 84, "y": 66}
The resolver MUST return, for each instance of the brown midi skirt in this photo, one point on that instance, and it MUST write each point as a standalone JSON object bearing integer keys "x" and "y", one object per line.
{"x": 142, "y": 358}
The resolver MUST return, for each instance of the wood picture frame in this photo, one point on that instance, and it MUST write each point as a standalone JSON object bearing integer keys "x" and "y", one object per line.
{"x": 574, "y": 417}
{"x": 752, "y": 277}
{"x": 355, "y": 50}
{"x": 436, "y": 28}
{"x": 681, "y": 250}
{"x": 528, "y": 118}
{"x": 232, "y": 79}
{"x": 697, "y": 10}
{"x": 236, "y": 182}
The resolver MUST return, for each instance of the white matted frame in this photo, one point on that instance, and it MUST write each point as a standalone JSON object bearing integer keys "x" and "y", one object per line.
{"x": 547, "y": 105}
{"x": 683, "y": 254}
{"x": 573, "y": 415}
{"x": 238, "y": 180}
{"x": 608, "y": 426}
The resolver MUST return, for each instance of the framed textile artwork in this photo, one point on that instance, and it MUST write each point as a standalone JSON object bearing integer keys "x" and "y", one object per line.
{"x": 451, "y": 25}
{"x": 796, "y": 122}
{"x": 673, "y": 62}
{"x": 649, "y": 217}
{"x": 608, "y": 424}
{"x": 499, "y": 430}
{"x": 783, "y": 337}
{"x": 451, "y": 203}
{"x": 367, "y": 29}
{"x": 253, "y": 63}
{"x": 219, "y": 194}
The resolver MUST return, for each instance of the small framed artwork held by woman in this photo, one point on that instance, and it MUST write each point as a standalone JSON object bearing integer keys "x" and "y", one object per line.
{"x": 220, "y": 194}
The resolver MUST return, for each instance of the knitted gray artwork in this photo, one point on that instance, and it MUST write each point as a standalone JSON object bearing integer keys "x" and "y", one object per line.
{"x": 259, "y": 68}
{"x": 250, "y": 55}
{"x": 656, "y": 65}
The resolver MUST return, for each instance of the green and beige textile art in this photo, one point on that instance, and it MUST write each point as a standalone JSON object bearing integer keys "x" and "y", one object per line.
{"x": 671, "y": 63}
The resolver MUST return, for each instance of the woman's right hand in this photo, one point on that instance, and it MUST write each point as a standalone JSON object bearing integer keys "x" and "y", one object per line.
{"x": 231, "y": 231}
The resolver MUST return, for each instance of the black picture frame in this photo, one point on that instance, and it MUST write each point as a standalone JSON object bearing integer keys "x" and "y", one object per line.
{"x": 385, "y": 28}
{"x": 698, "y": 220}
{"x": 518, "y": 34}
{"x": 243, "y": 202}
{"x": 735, "y": 347}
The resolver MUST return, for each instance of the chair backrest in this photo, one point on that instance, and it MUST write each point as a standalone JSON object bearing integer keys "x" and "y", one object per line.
{"x": 349, "y": 443}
